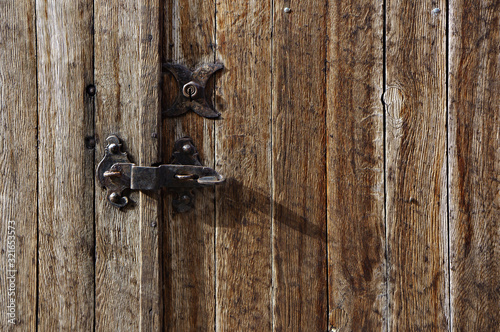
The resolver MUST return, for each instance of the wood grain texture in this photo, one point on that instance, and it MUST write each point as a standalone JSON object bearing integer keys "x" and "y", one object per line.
{"x": 474, "y": 139}
{"x": 295, "y": 240}
{"x": 127, "y": 78}
{"x": 18, "y": 166}
{"x": 243, "y": 146}
{"x": 355, "y": 166}
{"x": 149, "y": 154}
{"x": 188, "y": 267}
{"x": 299, "y": 173}
{"x": 66, "y": 181}
{"x": 415, "y": 100}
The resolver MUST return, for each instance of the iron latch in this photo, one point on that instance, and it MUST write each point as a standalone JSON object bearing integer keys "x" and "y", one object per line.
{"x": 117, "y": 174}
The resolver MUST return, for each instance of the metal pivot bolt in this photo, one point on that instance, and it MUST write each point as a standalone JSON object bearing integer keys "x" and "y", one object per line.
{"x": 184, "y": 173}
{"x": 192, "y": 90}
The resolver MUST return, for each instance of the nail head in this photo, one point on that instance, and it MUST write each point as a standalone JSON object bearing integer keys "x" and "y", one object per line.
{"x": 90, "y": 89}
{"x": 115, "y": 198}
{"x": 187, "y": 148}
{"x": 114, "y": 148}
{"x": 185, "y": 199}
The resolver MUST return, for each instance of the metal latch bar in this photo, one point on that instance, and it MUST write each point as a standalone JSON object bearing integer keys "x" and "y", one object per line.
{"x": 117, "y": 174}
{"x": 173, "y": 176}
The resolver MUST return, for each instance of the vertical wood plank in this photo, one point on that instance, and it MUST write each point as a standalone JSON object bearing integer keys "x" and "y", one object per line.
{"x": 188, "y": 269}
{"x": 415, "y": 100}
{"x": 18, "y": 166}
{"x": 66, "y": 182}
{"x": 299, "y": 157}
{"x": 474, "y": 155}
{"x": 355, "y": 165}
{"x": 147, "y": 131}
{"x": 117, "y": 112}
{"x": 127, "y": 78}
{"x": 243, "y": 150}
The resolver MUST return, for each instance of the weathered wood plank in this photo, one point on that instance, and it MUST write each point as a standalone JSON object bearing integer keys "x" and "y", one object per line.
{"x": 355, "y": 166}
{"x": 66, "y": 182}
{"x": 18, "y": 166}
{"x": 188, "y": 269}
{"x": 147, "y": 131}
{"x": 415, "y": 100}
{"x": 299, "y": 157}
{"x": 243, "y": 247}
{"x": 474, "y": 155}
{"x": 127, "y": 78}
{"x": 117, "y": 232}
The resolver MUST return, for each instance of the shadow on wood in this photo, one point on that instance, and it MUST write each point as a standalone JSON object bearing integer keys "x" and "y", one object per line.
{"x": 245, "y": 200}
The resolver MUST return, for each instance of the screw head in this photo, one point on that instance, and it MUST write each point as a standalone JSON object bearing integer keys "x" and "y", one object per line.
{"x": 114, "y": 148}
{"x": 287, "y": 10}
{"x": 115, "y": 198}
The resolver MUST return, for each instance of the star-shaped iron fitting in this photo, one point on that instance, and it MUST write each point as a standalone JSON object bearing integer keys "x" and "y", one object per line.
{"x": 191, "y": 94}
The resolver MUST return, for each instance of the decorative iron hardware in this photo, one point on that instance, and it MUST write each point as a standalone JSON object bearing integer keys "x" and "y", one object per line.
{"x": 191, "y": 94}
{"x": 117, "y": 174}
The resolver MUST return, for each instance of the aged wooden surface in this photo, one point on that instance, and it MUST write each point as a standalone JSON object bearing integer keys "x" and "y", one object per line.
{"x": 126, "y": 79}
{"x": 298, "y": 167}
{"x": 335, "y": 215}
{"x": 18, "y": 165}
{"x": 147, "y": 131}
{"x": 415, "y": 100}
{"x": 65, "y": 166}
{"x": 243, "y": 151}
{"x": 355, "y": 165}
{"x": 474, "y": 155}
{"x": 188, "y": 265}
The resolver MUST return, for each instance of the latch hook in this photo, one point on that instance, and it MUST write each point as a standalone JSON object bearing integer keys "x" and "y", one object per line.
{"x": 116, "y": 173}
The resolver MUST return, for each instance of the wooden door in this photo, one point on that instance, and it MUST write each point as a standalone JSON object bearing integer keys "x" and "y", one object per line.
{"x": 359, "y": 141}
